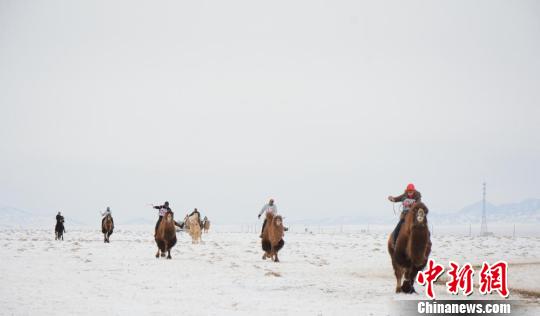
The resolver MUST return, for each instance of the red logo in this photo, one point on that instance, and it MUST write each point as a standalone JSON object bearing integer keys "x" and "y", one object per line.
{"x": 460, "y": 278}
{"x": 494, "y": 278}
{"x": 429, "y": 276}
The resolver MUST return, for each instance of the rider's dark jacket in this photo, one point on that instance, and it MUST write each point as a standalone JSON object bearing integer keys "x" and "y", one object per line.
{"x": 408, "y": 201}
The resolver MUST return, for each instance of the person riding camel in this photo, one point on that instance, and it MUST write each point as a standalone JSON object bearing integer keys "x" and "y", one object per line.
{"x": 269, "y": 207}
{"x": 59, "y": 217}
{"x": 195, "y": 211}
{"x": 105, "y": 214}
{"x": 60, "y": 224}
{"x": 162, "y": 210}
{"x": 408, "y": 198}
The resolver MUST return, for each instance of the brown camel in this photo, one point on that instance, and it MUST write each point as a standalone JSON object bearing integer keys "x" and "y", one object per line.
{"x": 272, "y": 237}
{"x": 413, "y": 246}
{"x": 166, "y": 235}
{"x": 206, "y": 224}
{"x": 107, "y": 228}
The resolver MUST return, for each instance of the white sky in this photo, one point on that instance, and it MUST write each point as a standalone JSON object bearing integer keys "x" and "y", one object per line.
{"x": 327, "y": 106}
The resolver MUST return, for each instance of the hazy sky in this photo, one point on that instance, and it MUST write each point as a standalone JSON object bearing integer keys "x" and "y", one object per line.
{"x": 327, "y": 106}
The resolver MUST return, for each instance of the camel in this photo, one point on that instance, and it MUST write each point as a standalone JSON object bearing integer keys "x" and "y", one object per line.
{"x": 192, "y": 224}
{"x": 59, "y": 230}
{"x": 166, "y": 235}
{"x": 412, "y": 248}
{"x": 206, "y": 225}
{"x": 107, "y": 228}
{"x": 272, "y": 237}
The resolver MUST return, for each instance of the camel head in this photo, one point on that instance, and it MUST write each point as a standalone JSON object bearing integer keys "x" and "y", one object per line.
{"x": 169, "y": 217}
{"x": 278, "y": 221}
{"x": 420, "y": 214}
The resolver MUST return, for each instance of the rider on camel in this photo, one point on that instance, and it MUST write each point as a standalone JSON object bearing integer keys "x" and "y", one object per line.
{"x": 195, "y": 211}
{"x": 408, "y": 198}
{"x": 105, "y": 214}
{"x": 162, "y": 210}
{"x": 269, "y": 207}
{"x": 59, "y": 217}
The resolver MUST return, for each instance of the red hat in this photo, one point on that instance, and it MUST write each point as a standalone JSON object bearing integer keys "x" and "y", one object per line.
{"x": 410, "y": 187}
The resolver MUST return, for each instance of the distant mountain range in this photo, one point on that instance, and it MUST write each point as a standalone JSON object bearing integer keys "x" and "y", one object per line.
{"x": 13, "y": 217}
{"x": 138, "y": 221}
{"x": 527, "y": 211}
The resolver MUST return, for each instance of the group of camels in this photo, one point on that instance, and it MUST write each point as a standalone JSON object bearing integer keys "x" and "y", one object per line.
{"x": 166, "y": 231}
{"x": 409, "y": 253}
{"x": 165, "y": 234}
{"x": 272, "y": 236}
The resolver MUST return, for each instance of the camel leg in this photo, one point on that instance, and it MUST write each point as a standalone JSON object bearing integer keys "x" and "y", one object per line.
{"x": 169, "y": 254}
{"x": 408, "y": 283}
{"x": 412, "y": 277}
{"x": 164, "y": 250}
{"x": 157, "y": 253}
{"x": 273, "y": 254}
{"x": 398, "y": 271}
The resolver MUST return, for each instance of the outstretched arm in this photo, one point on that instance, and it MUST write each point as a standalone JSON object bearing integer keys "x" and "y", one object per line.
{"x": 398, "y": 198}
{"x": 262, "y": 211}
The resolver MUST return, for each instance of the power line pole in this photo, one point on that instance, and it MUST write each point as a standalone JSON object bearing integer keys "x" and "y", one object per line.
{"x": 483, "y": 227}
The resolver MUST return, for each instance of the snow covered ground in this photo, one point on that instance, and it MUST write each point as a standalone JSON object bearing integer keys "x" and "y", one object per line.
{"x": 320, "y": 273}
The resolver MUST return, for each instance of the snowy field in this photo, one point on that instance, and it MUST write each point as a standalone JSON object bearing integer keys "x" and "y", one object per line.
{"x": 339, "y": 273}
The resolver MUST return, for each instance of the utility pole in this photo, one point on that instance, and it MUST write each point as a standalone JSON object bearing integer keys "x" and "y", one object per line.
{"x": 483, "y": 227}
